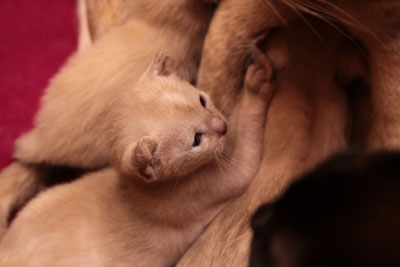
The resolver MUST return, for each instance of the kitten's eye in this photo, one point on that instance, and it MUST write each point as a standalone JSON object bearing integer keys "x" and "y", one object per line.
{"x": 197, "y": 139}
{"x": 202, "y": 101}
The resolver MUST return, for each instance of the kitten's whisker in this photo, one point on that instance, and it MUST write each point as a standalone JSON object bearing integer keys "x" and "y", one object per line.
{"x": 222, "y": 166}
{"x": 219, "y": 164}
{"x": 230, "y": 160}
{"x": 226, "y": 161}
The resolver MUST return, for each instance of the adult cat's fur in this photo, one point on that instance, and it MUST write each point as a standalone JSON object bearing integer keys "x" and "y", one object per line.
{"x": 306, "y": 123}
{"x": 374, "y": 22}
{"x": 346, "y": 213}
{"x": 166, "y": 187}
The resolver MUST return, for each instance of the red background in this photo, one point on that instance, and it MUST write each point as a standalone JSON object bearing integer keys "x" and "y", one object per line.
{"x": 36, "y": 37}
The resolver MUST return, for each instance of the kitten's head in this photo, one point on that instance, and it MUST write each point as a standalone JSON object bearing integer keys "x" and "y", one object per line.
{"x": 164, "y": 127}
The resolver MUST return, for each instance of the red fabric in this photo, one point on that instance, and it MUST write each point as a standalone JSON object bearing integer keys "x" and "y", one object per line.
{"x": 36, "y": 37}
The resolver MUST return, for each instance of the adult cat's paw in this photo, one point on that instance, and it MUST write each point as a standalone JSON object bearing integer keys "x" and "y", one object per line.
{"x": 259, "y": 78}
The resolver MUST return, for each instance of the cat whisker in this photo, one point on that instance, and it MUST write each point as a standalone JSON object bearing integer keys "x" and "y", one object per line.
{"x": 219, "y": 165}
{"x": 270, "y": 5}
{"x": 230, "y": 160}
{"x": 222, "y": 166}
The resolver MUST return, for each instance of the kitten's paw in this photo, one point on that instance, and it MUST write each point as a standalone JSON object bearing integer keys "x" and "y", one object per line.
{"x": 259, "y": 78}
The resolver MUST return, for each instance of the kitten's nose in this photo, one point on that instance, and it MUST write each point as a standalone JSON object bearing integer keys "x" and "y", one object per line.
{"x": 218, "y": 125}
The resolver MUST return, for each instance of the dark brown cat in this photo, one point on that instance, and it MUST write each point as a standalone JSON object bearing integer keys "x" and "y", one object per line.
{"x": 346, "y": 213}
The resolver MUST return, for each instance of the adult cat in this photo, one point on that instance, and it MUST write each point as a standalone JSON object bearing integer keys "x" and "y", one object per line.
{"x": 307, "y": 121}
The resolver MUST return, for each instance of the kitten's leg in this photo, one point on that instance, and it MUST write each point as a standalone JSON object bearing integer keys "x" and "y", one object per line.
{"x": 231, "y": 178}
{"x": 245, "y": 158}
{"x": 233, "y": 30}
{"x": 18, "y": 183}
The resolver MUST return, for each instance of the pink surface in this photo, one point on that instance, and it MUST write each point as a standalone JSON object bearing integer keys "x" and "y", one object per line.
{"x": 36, "y": 37}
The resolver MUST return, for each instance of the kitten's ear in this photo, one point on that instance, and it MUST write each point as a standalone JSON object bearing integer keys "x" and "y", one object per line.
{"x": 163, "y": 64}
{"x": 146, "y": 158}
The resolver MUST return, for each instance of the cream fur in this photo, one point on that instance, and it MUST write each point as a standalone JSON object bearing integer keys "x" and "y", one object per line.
{"x": 62, "y": 135}
{"x": 109, "y": 218}
{"x": 69, "y": 128}
{"x": 16, "y": 178}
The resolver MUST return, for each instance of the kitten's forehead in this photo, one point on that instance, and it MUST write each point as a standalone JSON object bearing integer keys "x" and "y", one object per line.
{"x": 177, "y": 97}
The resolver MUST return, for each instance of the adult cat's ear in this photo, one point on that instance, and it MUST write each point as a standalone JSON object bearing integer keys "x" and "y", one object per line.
{"x": 163, "y": 64}
{"x": 146, "y": 158}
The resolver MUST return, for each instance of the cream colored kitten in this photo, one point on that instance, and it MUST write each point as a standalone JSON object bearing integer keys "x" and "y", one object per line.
{"x": 166, "y": 138}
{"x": 70, "y": 127}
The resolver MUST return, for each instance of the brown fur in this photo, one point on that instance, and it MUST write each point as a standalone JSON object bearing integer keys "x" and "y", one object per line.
{"x": 376, "y": 23}
{"x": 119, "y": 219}
{"x": 306, "y": 123}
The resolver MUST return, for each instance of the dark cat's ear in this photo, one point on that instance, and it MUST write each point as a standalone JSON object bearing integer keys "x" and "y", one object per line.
{"x": 146, "y": 158}
{"x": 261, "y": 217}
{"x": 163, "y": 64}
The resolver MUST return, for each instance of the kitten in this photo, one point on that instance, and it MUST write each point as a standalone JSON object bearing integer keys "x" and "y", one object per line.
{"x": 69, "y": 128}
{"x": 70, "y": 125}
{"x": 168, "y": 183}
{"x": 346, "y": 212}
